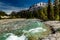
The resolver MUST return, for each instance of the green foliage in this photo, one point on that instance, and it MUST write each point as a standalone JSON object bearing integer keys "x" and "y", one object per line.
{"x": 50, "y": 11}
{"x": 45, "y": 12}
{"x": 58, "y": 30}
{"x": 13, "y": 15}
{"x": 42, "y": 15}
{"x": 2, "y": 13}
{"x": 56, "y": 10}
{"x": 59, "y": 10}
{"x": 36, "y": 13}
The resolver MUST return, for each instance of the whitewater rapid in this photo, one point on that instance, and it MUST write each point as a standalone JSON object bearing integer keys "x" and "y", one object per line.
{"x": 14, "y": 37}
{"x": 23, "y": 30}
{"x": 23, "y": 37}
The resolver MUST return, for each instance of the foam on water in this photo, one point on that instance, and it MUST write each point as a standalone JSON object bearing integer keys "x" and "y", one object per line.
{"x": 39, "y": 29}
{"x": 23, "y": 37}
{"x": 26, "y": 28}
{"x": 35, "y": 30}
{"x": 14, "y": 37}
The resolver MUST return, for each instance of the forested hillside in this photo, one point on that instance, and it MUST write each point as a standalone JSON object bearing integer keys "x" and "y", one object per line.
{"x": 49, "y": 12}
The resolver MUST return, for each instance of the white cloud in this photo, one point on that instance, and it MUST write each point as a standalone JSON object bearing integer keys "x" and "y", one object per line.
{"x": 8, "y": 9}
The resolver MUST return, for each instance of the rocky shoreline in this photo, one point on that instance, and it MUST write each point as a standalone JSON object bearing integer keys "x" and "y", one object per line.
{"x": 55, "y": 25}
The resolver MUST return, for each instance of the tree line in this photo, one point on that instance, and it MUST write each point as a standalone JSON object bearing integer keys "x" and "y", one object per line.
{"x": 50, "y": 12}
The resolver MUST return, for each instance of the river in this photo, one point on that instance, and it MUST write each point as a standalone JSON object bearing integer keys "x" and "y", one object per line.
{"x": 23, "y": 30}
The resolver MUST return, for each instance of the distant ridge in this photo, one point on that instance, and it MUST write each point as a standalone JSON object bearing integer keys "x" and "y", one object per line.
{"x": 38, "y": 6}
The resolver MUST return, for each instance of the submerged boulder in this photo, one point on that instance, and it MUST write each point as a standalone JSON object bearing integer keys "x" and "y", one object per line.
{"x": 31, "y": 29}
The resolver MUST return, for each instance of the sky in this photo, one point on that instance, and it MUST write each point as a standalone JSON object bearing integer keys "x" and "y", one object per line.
{"x": 17, "y": 5}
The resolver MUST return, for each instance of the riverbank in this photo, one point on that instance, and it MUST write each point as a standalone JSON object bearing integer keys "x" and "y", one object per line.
{"x": 54, "y": 24}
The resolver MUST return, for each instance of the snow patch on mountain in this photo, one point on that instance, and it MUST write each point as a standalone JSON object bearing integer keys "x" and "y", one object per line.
{"x": 38, "y": 6}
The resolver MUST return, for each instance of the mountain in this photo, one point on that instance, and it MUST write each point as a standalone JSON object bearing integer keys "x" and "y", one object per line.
{"x": 38, "y": 6}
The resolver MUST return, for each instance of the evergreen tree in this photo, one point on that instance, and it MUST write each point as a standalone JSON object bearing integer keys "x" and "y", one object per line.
{"x": 41, "y": 14}
{"x": 31, "y": 14}
{"x": 36, "y": 13}
{"x": 45, "y": 12}
{"x": 2, "y": 13}
{"x": 59, "y": 10}
{"x": 56, "y": 9}
{"x": 13, "y": 14}
{"x": 50, "y": 10}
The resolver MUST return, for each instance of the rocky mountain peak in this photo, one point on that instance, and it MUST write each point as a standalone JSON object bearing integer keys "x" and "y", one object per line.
{"x": 38, "y": 6}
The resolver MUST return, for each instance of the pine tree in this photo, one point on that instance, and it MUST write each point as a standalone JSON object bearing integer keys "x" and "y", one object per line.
{"x": 42, "y": 14}
{"x": 59, "y": 10}
{"x": 45, "y": 12}
{"x": 56, "y": 9}
{"x": 13, "y": 14}
{"x": 2, "y": 13}
{"x": 50, "y": 10}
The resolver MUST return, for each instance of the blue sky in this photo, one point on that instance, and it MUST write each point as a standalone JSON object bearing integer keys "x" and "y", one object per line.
{"x": 17, "y": 5}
